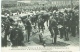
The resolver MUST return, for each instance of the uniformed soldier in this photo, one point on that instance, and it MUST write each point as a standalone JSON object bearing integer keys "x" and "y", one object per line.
{"x": 77, "y": 20}
{"x": 40, "y": 23}
{"x": 11, "y": 20}
{"x": 66, "y": 27}
{"x": 50, "y": 29}
{"x": 69, "y": 17}
{"x": 73, "y": 24}
{"x": 6, "y": 28}
{"x": 28, "y": 28}
{"x": 34, "y": 20}
{"x": 60, "y": 24}
{"x": 55, "y": 15}
{"x": 16, "y": 36}
{"x": 53, "y": 28}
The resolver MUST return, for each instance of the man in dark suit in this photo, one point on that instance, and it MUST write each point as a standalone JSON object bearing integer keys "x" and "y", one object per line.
{"x": 73, "y": 24}
{"x": 66, "y": 26}
{"x": 40, "y": 23}
{"x": 6, "y": 29}
{"x": 53, "y": 28}
{"x": 28, "y": 27}
{"x": 11, "y": 20}
{"x": 16, "y": 36}
{"x": 60, "y": 24}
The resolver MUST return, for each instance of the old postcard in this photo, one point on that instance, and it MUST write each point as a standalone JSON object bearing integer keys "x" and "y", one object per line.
{"x": 40, "y": 26}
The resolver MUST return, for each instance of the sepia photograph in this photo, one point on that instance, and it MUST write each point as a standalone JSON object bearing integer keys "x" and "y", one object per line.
{"x": 46, "y": 23}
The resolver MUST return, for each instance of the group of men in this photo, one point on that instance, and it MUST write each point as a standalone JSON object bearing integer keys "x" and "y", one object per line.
{"x": 64, "y": 23}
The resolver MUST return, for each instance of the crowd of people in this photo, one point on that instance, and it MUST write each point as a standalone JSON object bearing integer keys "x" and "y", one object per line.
{"x": 61, "y": 22}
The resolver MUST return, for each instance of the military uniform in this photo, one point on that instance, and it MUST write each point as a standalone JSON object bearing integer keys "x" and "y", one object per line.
{"x": 60, "y": 23}
{"x": 6, "y": 28}
{"x": 11, "y": 20}
{"x": 73, "y": 25}
{"x": 69, "y": 17}
{"x": 28, "y": 28}
{"x": 40, "y": 24}
{"x": 53, "y": 29}
{"x": 66, "y": 28}
{"x": 77, "y": 22}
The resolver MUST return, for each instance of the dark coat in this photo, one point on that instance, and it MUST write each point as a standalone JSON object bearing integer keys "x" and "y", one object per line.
{"x": 52, "y": 23}
{"x": 16, "y": 35}
{"x": 28, "y": 25}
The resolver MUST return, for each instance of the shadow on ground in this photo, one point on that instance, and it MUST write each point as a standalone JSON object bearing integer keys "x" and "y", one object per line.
{"x": 36, "y": 41}
{"x": 58, "y": 44}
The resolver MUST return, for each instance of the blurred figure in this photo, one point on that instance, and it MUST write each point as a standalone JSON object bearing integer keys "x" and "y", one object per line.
{"x": 16, "y": 36}
{"x": 66, "y": 26}
{"x": 41, "y": 37}
{"x": 28, "y": 28}
{"x": 60, "y": 24}
{"x": 73, "y": 24}
{"x": 40, "y": 23}
{"x": 53, "y": 28}
{"x": 6, "y": 30}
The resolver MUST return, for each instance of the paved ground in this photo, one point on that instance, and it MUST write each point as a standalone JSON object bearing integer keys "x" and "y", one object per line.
{"x": 34, "y": 40}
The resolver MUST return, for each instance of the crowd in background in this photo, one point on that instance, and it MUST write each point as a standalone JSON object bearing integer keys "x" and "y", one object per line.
{"x": 63, "y": 22}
